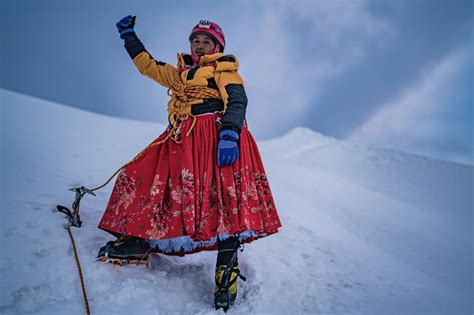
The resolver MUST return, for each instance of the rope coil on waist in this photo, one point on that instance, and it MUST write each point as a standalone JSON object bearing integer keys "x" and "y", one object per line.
{"x": 182, "y": 96}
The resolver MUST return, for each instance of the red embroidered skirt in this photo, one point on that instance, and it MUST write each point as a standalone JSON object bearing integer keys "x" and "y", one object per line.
{"x": 176, "y": 197}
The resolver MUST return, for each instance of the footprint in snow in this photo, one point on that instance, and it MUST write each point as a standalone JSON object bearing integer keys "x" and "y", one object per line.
{"x": 304, "y": 230}
{"x": 305, "y": 256}
{"x": 46, "y": 195}
{"x": 32, "y": 224}
{"x": 4, "y": 264}
{"x": 39, "y": 254}
{"x": 249, "y": 292}
{"x": 10, "y": 232}
{"x": 46, "y": 232}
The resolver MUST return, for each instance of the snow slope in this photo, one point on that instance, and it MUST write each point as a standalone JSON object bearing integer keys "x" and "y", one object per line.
{"x": 365, "y": 230}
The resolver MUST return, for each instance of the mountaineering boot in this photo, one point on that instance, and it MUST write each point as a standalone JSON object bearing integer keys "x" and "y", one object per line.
{"x": 227, "y": 273}
{"x": 125, "y": 249}
{"x": 225, "y": 291}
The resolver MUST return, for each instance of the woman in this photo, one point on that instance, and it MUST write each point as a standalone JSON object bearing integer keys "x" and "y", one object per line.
{"x": 201, "y": 184}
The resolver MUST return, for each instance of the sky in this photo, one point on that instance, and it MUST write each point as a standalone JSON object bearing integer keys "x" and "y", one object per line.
{"x": 394, "y": 74}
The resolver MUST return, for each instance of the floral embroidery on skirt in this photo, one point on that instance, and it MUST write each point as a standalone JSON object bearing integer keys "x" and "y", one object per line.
{"x": 176, "y": 197}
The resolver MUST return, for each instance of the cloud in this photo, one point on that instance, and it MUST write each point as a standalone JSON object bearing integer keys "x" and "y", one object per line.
{"x": 335, "y": 20}
{"x": 418, "y": 120}
{"x": 292, "y": 49}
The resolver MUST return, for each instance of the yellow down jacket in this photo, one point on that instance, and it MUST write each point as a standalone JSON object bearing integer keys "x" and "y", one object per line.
{"x": 214, "y": 78}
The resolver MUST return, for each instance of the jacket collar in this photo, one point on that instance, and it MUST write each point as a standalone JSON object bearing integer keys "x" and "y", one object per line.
{"x": 222, "y": 62}
{"x": 185, "y": 60}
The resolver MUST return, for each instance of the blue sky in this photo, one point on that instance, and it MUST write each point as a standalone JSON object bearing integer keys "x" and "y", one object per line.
{"x": 396, "y": 74}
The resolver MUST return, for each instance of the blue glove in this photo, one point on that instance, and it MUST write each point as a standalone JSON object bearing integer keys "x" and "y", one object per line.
{"x": 227, "y": 149}
{"x": 126, "y": 25}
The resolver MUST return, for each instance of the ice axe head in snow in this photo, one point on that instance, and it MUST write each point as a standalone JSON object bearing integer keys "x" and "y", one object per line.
{"x": 73, "y": 216}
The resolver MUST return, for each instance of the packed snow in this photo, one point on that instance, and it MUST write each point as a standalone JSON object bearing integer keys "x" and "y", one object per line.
{"x": 365, "y": 230}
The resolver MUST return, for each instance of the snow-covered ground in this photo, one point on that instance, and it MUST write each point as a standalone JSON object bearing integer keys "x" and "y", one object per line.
{"x": 365, "y": 230}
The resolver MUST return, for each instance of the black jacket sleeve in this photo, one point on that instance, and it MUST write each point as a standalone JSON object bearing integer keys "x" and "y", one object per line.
{"x": 236, "y": 108}
{"x": 133, "y": 45}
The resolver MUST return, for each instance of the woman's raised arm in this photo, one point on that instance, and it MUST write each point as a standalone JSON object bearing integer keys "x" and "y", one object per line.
{"x": 158, "y": 71}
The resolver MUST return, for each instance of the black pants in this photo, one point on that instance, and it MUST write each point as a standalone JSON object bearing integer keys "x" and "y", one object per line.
{"x": 227, "y": 248}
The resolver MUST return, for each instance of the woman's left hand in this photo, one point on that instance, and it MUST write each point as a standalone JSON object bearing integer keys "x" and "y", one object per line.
{"x": 227, "y": 149}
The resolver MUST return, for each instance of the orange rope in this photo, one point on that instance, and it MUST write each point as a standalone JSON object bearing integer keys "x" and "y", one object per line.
{"x": 181, "y": 96}
{"x": 133, "y": 160}
{"x": 84, "y": 294}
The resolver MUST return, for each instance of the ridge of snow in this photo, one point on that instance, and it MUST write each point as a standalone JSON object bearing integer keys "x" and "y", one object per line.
{"x": 307, "y": 134}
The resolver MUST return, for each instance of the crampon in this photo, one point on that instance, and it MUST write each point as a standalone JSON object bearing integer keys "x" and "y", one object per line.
{"x": 125, "y": 250}
{"x": 126, "y": 261}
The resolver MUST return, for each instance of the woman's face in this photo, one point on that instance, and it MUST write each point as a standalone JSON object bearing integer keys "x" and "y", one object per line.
{"x": 201, "y": 45}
